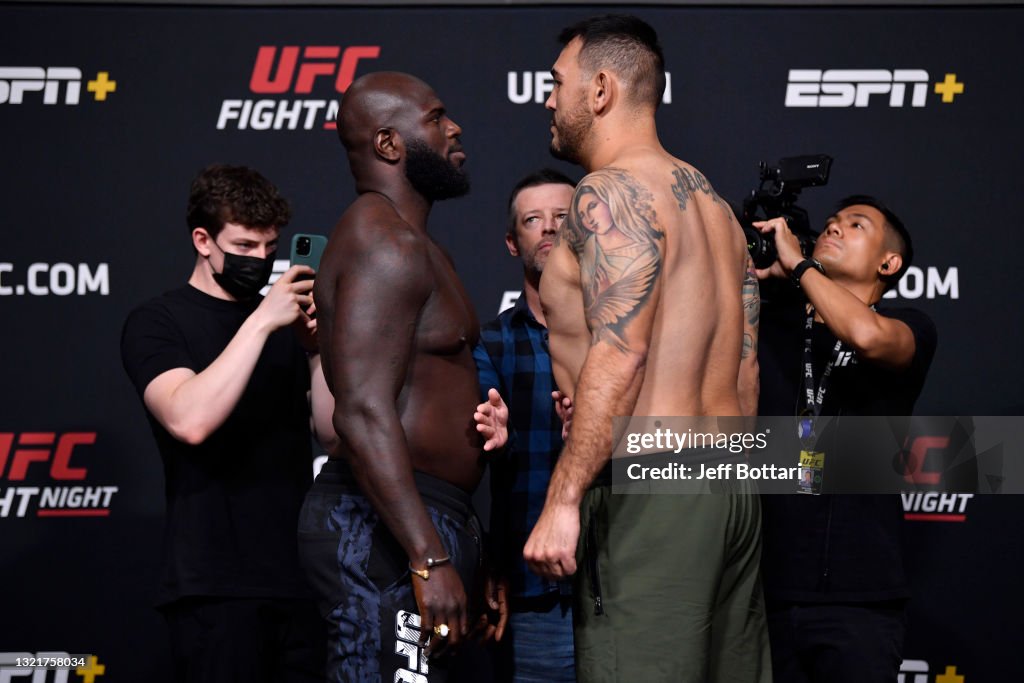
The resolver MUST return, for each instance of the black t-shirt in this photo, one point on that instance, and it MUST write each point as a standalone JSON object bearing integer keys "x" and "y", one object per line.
{"x": 835, "y": 548}
{"x": 855, "y": 387}
{"x": 232, "y": 501}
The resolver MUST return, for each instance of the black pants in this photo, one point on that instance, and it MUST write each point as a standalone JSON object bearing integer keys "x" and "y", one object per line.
{"x": 361, "y": 574}
{"x": 250, "y": 640}
{"x": 850, "y": 643}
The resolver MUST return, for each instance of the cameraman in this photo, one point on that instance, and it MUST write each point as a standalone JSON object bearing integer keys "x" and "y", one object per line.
{"x": 832, "y": 564}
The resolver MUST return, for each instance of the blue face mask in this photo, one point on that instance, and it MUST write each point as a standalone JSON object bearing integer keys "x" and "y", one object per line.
{"x": 243, "y": 276}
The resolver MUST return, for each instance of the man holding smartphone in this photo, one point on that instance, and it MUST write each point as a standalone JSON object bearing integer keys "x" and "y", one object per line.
{"x": 227, "y": 388}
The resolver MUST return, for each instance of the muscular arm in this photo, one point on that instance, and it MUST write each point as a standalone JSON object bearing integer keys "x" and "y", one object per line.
{"x": 619, "y": 305}
{"x": 382, "y": 286}
{"x": 619, "y": 301}
{"x": 191, "y": 405}
{"x": 876, "y": 338}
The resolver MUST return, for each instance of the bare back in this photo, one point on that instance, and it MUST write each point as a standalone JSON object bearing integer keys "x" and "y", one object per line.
{"x": 663, "y": 265}
{"x": 402, "y": 329}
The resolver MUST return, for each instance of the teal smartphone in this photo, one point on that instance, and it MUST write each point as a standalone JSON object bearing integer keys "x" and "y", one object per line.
{"x": 307, "y": 250}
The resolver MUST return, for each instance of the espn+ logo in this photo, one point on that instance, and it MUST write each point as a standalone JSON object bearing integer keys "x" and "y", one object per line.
{"x": 840, "y": 88}
{"x": 916, "y": 671}
{"x": 19, "y": 82}
{"x": 295, "y": 70}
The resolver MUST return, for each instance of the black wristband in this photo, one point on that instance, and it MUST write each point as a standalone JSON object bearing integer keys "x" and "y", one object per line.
{"x": 802, "y": 268}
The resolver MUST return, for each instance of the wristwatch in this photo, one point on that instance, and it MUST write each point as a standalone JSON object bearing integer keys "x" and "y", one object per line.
{"x": 802, "y": 267}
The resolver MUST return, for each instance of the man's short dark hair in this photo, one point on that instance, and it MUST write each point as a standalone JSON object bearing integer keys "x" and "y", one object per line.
{"x": 901, "y": 242}
{"x": 234, "y": 194}
{"x": 545, "y": 176}
{"x": 627, "y": 45}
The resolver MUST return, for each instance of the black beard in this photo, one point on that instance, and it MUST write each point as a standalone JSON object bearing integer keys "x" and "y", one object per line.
{"x": 564, "y": 154}
{"x": 570, "y": 140}
{"x": 432, "y": 175}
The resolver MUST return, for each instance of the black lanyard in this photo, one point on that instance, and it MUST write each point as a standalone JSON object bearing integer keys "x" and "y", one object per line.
{"x": 814, "y": 399}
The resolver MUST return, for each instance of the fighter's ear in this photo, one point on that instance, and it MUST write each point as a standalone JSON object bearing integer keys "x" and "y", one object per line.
{"x": 387, "y": 144}
{"x": 604, "y": 89}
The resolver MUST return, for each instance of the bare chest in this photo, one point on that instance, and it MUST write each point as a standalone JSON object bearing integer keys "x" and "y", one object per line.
{"x": 448, "y": 322}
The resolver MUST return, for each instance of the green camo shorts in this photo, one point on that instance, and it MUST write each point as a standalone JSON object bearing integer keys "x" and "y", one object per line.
{"x": 668, "y": 586}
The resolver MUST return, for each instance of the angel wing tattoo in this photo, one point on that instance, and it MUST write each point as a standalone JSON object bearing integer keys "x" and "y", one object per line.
{"x": 613, "y": 231}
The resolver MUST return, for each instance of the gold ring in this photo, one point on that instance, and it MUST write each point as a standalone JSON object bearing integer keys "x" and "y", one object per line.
{"x": 442, "y": 630}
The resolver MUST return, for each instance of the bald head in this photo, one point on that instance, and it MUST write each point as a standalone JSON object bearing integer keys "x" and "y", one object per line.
{"x": 378, "y": 100}
{"x": 395, "y": 130}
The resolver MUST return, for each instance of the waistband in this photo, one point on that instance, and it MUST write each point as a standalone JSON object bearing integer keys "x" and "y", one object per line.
{"x": 336, "y": 475}
{"x": 687, "y": 456}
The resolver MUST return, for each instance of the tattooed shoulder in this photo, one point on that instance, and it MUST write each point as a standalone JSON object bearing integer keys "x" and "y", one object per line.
{"x": 608, "y": 191}
{"x": 613, "y": 229}
{"x": 687, "y": 182}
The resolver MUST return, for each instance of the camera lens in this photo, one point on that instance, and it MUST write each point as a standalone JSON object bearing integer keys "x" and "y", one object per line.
{"x": 303, "y": 246}
{"x": 761, "y": 247}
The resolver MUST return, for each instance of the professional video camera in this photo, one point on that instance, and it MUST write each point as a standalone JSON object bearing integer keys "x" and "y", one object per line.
{"x": 777, "y": 195}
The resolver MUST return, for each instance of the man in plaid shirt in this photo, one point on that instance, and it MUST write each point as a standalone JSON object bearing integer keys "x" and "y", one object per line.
{"x": 513, "y": 357}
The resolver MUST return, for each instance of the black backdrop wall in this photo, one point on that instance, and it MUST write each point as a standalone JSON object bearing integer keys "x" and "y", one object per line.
{"x": 106, "y": 113}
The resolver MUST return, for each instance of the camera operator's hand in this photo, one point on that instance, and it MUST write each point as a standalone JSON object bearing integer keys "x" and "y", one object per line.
{"x": 786, "y": 244}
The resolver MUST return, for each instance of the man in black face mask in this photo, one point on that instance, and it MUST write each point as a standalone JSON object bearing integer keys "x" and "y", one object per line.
{"x": 227, "y": 388}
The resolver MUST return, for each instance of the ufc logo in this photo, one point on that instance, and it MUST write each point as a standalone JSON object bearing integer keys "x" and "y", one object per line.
{"x": 39, "y": 447}
{"x": 407, "y": 637}
{"x": 844, "y": 359}
{"x": 854, "y": 87}
{"x": 293, "y": 74}
{"x": 914, "y": 470}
